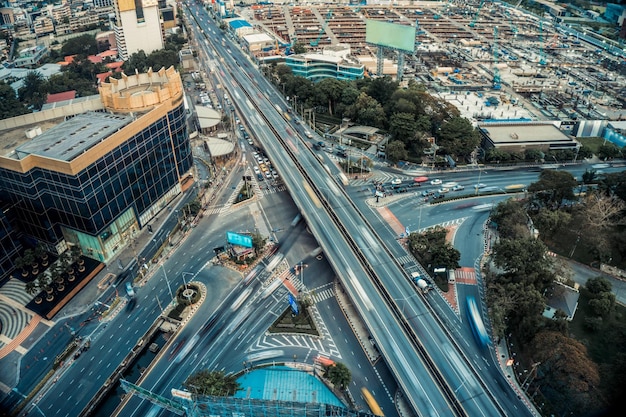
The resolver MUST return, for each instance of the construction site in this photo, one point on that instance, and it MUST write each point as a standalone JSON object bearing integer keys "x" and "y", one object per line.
{"x": 493, "y": 60}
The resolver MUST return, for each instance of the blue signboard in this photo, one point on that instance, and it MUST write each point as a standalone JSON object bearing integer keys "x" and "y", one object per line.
{"x": 239, "y": 240}
{"x": 293, "y": 304}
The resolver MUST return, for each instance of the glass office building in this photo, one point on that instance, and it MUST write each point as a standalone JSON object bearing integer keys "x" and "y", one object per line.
{"x": 316, "y": 67}
{"x": 97, "y": 177}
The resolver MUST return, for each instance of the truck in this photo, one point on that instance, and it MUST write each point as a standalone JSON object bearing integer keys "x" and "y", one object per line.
{"x": 421, "y": 283}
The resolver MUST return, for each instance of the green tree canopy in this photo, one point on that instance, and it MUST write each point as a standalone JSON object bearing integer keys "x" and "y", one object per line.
{"x": 432, "y": 250}
{"x": 80, "y": 45}
{"x": 10, "y": 106}
{"x": 162, "y": 58}
{"x": 395, "y": 151}
{"x": 511, "y": 220}
{"x": 402, "y": 126}
{"x": 598, "y": 285}
{"x": 34, "y": 90}
{"x": 368, "y": 111}
{"x": 339, "y": 375}
{"x": 523, "y": 257}
{"x": 458, "y": 137}
{"x": 205, "y": 382}
{"x": 554, "y": 187}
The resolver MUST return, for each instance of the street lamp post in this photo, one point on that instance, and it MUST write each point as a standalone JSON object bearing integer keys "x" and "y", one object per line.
{"x": 167, "y": 281}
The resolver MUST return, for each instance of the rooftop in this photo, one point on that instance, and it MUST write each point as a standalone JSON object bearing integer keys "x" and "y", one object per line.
{"x": 531, "y": 132}
{"x": 69, "y": 139}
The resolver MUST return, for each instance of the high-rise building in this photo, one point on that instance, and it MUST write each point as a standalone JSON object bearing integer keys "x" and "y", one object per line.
{"x": 95, "y": 172}
{"x": 137, "y": 27}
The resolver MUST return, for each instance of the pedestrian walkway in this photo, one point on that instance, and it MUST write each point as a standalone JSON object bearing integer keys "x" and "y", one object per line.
{"x": 15, "y": 343}
{"x": 391, "y": 220}
{"x": 465, "y": 275}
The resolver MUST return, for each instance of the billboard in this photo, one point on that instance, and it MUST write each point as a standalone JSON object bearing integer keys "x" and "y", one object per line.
{"x": 239, "y": 240}
{"x": 391, "y": 35}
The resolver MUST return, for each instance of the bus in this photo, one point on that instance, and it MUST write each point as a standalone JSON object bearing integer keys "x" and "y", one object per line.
{"x": 371, "y": 402}
{"x": 476, "y": 322}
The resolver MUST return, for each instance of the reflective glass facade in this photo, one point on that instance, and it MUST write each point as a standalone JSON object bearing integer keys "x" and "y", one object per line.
{"x": 136, "y": 174}
{"x": 317, "y": 69}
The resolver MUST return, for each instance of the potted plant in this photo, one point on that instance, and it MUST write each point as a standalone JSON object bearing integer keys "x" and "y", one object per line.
{"x": 49, "y": 295}
{"x": 20, "y": 263}
{"x": 31, "y": 287}
{"x": 57, "y": 276}
{"x": 38, "y": 300}
{"x": 76, "y": 254}
{"x": 41, "y": 253}
{"x": 29, "y": 258}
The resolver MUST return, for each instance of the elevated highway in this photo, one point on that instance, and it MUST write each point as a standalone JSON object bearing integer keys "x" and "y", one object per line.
{"x": 428, "y": 363}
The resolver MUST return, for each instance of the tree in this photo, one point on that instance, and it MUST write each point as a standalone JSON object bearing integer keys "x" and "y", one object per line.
{"x": 10, "y": 106}
{"x": 589, "y": 176}
{"x": 614, "y": 184}
{"x": 458, "y": 137}
{"x": 382, "y": 89}
{"x": 549, "y": 222}
{"x": 339, "y": 375}
{"x": 216, "y": 383}
{"x": 395, "y": 151}
{"x": 603, "y": 304}
{"x": 510, "y": 219}
{"x": 598, "y": 285}
{"x": 299, "y": 48}
{"x": 367, "y": 111}
{"x": 568, "y": 378}
{"x": 83, "y": 44}
{"x": 432, "y": 250}
{"x": 522, "y": 257}
{"x": 33, "y": 91}
{"x": 330, "y": 89}
{"x": 608, "y": 151}
{"x": 554, "y": 187}
{"x": 402, "y": 126}
{"x": 585, "y": 152}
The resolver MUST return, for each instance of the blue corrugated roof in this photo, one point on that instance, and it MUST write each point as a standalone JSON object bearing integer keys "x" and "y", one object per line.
{"x": 238, "y": 24}
{"x": 285, "y": 384}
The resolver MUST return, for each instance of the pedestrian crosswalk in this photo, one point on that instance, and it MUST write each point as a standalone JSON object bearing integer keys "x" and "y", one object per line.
{"x": 383, "y": 177}
{"x": 318, "y": 294}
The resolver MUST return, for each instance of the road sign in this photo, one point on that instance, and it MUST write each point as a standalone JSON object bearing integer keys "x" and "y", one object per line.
{"x": 240, "y": 240}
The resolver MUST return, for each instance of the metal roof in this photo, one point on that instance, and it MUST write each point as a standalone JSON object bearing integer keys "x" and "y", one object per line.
{"x": 71, "y": 138}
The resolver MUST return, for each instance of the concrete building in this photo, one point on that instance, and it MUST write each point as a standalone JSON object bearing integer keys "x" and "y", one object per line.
{"x": 256, "y": 42}
{"x": 334, "y": 62}
{"x": 43, "y": 25}
{"x": 30, "y": 57}
{"x": 517, "y": 137}
{"x": 137, "y": 27}
{"x": 94, "y": 172}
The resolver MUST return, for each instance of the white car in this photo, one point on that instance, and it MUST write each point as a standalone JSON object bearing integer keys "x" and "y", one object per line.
{"x": 274, "y": 174}
{"x": 480, "y": 185}
{"x": 436, "y": 181}
{"x": 396, "y": 181}
{"x": 451, "y": 184}
{"x": 458, "y": 188}
{"x": 257, "y": 170}
{"x": 268, "y": 175}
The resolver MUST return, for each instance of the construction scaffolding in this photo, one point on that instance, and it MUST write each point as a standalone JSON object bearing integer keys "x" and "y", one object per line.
{"x": 190, "y": 405}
